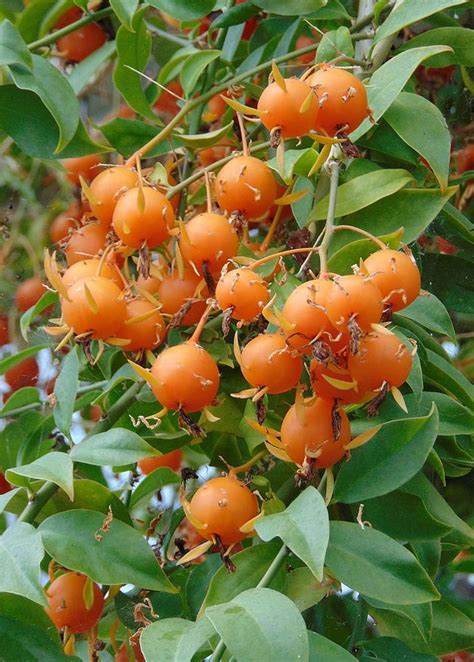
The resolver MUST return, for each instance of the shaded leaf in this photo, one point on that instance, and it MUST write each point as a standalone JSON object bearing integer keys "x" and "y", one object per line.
{"x": 321, "y": 648}
{"x": 176, "y": 639}
{"x": 54, "y": 467}
{"x": 154, "y": 482}
{"x": 65, "y": 391}
{"x": 116, "y": 447}
{"x": 21, "y": 552}
{"x": 193, "y": 68}
{"x": 13, "y": 49}
{"x": 461, "y": 40}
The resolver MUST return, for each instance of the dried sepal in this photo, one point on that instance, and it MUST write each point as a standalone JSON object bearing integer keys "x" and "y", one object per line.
{"x": 249, "y": 526}
{"x": 237, "y": 352}
{"x": 246, "y": 393}
{"x": 195, "y": 553}
{"x": 290, "y": 198}
{"x": 320, "y": 161}
{"x": 241, "y": 108}
{"x": 145, "y": 374}
{"x": 210, "y": 416}
{"x": 117, "y": 342}
{"x": 363, "y": 438}
{"x": 52, "y": 274}
{"x": 277, "y": 452}
{"x": 278, "y": 76}
{"x": 380, "y": 328}
{"x": 339, "y": 383}
{"x": 399, "y": 399}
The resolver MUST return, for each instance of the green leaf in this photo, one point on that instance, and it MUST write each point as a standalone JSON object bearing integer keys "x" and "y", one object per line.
{"x": 296, "y": 161}
{"x": 408, "y": 12}
{"x": 126, "y": 136}
{"x": 428, "y": 311}
{"x": 54, "y": 467}
{"x": 21, "y": 552}
{"x": 404, "y": 517}
{"x": 116, "y": 447}
{"x": 461, "y": 40}
{"x": 176, "y": 639}
{"x": 420, "y": 615}
{"x": 251, "y": 632}
{"x": 13, "y": 49}
{"x": 84, "y": 71}
{"x": 290, "y": 7}
{"x": 452, "y": 629}
{"x": 321, "y": 649}
{"x": 25, "y": 612}
{"x": 20, "y": 398}
{"x": 390, "y": 649}
{"x": 133, "y": 50}
{"x": 108, "y": 552}
{"x": 303, "y": 527}
{"x": 203, "y": 139}
{"x": 235, "y": 15}
{"x": 193, "y": 68}
{"x": 385, "y": 142}
{"x": 124, "y": 10}
{"x": 301, "y": 209}
{"x": 387, "y": 82}
{"x": 334, "y": 43}
{"x": 10, "y": 361}
{"x": 422, "y": 126}
{"x": 391, "y": 458}
{"x": 302, "y": 587}
{"x": 375, "y": 565}
{"x": 25, "y": 118}
{"x": 7, "y": 497}
{"x": 153, "y": 482}
{"x": 29, "y": 643}
{"x": 458, "y": 222}
{"x": 184, "y": 10}
{"x": 441, "y": 373}
{"x": 451, "y": 278}
{"x": 341, "y": 261}
{"x": 49, "y": 298}
{"x": 54, "y": 90}
{"x": 251, "y": 565}
{"x": 363, "y": 191}
{"x": 65, "y": 391}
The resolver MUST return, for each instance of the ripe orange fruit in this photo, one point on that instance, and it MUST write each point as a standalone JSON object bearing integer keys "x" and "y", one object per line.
{"x": 396, "y": 275}
{"x": 246, "y": 185}
{"x": 143, "y": 216}
{"x": 306, "y": 309}
{"x": 342, "y": 97}
{"x": 86, "y": 242}
{"x": 65, "y": 222}
{"x": 143, "y": 333}
{"x": 107, "y": 188}
{"x": 354, "y": 298}
{"x": 66, "y": 604}
{"x": 167, "y": 102}
{"x": 293, "y": 111}
{"x": 172, "y": 460}
{"x": 81, "y": 166}
{"x": 302, "y": 42}
{"x": 22, "y": 374}
{"x": 223, "y": 505}
{"x": 314, "y": 436}
{"x": 89, "y": 268}
{"x": 174, "y": 291}
{"x": 465, "y": 159}
{"x": 267, "y": 361}
{"x": 382, "y": 357}
{"x": 209, "y": 238}
{"x": 244, "y": 291}
{"x": 80, "y": 43}
{"x": 28, "y": 293}
{"x": 187, "y": 376}
{"x": 328, "y": 391}
{"x": 220, "y": 150}
{"x": 96, "y": 306}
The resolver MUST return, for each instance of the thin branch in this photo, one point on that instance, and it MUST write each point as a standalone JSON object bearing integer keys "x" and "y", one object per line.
{"x": 85, "y": 20}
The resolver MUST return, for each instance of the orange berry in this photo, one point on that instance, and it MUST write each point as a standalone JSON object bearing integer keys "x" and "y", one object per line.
{"x": 81, "y": 166}
{"x": 246, "y": 185}
{"x": 174, "y": 291}
{"x": 305, "y": 309}
{"x": 354, "y": 298}
{"x": 143, "y": 216}
{"x": 244, "y": 291}
{"x": 396, "y": 275}
{"x": 22, "y": 374}
{"x": 172, "y": 460}
{"x": 86, "y": 242}
{"x": 4, "y": 332}
{"x": 382, "y": 357}
{"x": 107, "y": 188}
{"x": 322, "y": 388}
{"x": 143, "y": 333}
{"x": 65, "y": 222}
{"x": 209, "y": 238}
{"x": 67, "y": 606}
{"x": 89, "y": 268}
{"x": 293, "y": 111}
{"x": 268, "y": 362}
{"x": 28, "y": 293}
{"x": 81, "y": 43}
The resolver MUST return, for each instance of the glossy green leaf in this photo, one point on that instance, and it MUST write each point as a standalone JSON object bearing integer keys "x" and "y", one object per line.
{"x": 301, "y": 209}
{"x": 393, "y": 456}
{"x": 251, "y": 565}
{"x": 184, "y": 10}
{"x": 384, "y": 142}
{"x": 29, "y": 643}
{"x": 49, "y": 298}
{"x": 203, "y": 139}
{"x": 341, "y": 261}
{"x": 428, "y": 311}
{"x": 108, "y": 552}
{"x": 54, "y": 467}
{"x": 250, "y": 631}
{"x": 303, "y": 588}
{"x": 390, "y": 649}
{"x": 334, "y": 43}
{"x": 194, "y": 67}
{"x": 10, "y": 361}
{"x": 363, "y": 191}
{"x": 296, "y": 162}
{"x": 321, "y": 649}
{"x": 235, "y": 15}
{"x": 13, "y": 49}
{"x": 84, "y": 72}
{"x": 117, "y": 447}
{"x": 441, "y": 373}
{"x": 461, "y": 40}
{"x": 290, "y": 7}
{"x": 452, "y": 629}
{"x": 126, "y": 136}
{"x": 408, "y": 12}
{"x": 20, "y": 398}
{"x": 21, "y": 552}
{"x": 25, "y": 612}
{"x": 124, "y": 10}
{"x": 372, "y": 563}
{"x": 7, "y": 497}
{"x": 404, "y": 517}
{"x": 420, "y": 615}
{"x": 422, "y": 126}
{"x": 133, "y": 50}
{"x": 458, "y": 222}
{"x": 387, "y": 82}
{"x": 303, "y": 527}
{"x": 65, "y": 391}
{"x": 154, "y": 482}
{"x": 54, "y": 90}
{"x": 175, "y": 639}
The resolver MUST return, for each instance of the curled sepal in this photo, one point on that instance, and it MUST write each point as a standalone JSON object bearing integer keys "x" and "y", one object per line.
{"x": 241, "y": 108}
{"x": 52, "y": 274}
{"x": 290, "y": 198}
{"x": 274, "y": 316}
{"x": 340, "y": 384}
{"x": 237, "y": 352}
{"x": 325, "y": 140}
{"x": 56, "y": 330}
{"x": 148, "y": 296}
{"x": 278, "y": 76}
{"x": 70, "y": 645}
{"x": 362, "y": 438}
{"x": 210, "y": 416}
{"x": 249, "y": 526}
{"x": 306, "y": 105}
{"x": 320, "y": 161}
{"x": 65, "y": 340}
{"x": 196, "y": 552}
{"x": 300, "y": 404}
{"x": 88, "y": 593}
{"x": 145, "y": 374}
{"x": 329, "y": 486}
{"x": 263, "y": 429}
{"x": 91, "y": 302}
{"x": 277, "y": 451}
{"x": 246, "y": 393}
{"x": 380, "y": 328}
{"x": 117, "y": 342}
{"x": 200, "y": 526}
{"x": 399, "y": 399}
{"x": 86, "y": 189}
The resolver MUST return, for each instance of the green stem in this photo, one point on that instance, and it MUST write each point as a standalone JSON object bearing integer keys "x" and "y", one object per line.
{"x": 265, "y": 581}
{"x": 48, "y": 490}
{"x": 38, "y": 405}
{"x": 333, "y": 169}
{"x": 85, "y": 20}
{"x": 360, "y": 623}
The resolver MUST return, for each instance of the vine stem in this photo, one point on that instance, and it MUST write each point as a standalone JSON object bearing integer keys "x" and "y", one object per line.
{"x": 85, "y": 20}
{"x": 265, "y": 581}
{"x": 48, "y": 490}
